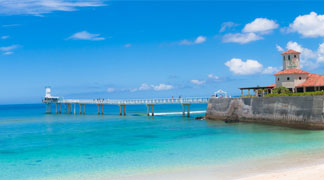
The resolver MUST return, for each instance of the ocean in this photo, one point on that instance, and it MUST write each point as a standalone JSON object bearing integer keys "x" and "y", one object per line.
{"x": 35, "y": 145}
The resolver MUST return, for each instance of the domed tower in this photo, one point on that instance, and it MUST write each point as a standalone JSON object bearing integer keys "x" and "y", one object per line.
{"x": 290, "y": 59}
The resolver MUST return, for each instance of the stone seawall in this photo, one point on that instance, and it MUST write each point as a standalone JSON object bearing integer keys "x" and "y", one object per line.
{"x": 305, "y": 112}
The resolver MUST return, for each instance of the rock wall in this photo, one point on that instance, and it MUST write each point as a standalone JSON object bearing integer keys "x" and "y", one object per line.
{"x": 305, "y": 112}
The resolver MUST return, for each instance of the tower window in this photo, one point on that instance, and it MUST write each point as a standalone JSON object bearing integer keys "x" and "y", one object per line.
{"x": 288, "y": 57}
{"x": 288, "y": 78}
{"x": 299, "y": 78}
{"x": 278, "y": 79}
{"x": 295, "y": 56}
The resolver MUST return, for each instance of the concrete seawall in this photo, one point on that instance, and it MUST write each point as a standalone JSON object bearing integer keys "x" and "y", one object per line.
{"x": 305, "y": 112}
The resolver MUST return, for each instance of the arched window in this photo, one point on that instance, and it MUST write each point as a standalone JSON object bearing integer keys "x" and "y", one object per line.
{"x": 288, "y": 78}
{"x": 278, "y": 79}
{"x": 288, "y": 57}
{"x": 300, "y": 78}
{"x": 295, "y": 56}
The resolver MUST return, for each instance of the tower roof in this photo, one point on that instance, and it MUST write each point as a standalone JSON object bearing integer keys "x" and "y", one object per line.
{"x": 290, "y": 51}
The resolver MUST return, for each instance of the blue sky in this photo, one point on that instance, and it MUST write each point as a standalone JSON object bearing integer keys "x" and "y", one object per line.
{"x": 146, "y": 49}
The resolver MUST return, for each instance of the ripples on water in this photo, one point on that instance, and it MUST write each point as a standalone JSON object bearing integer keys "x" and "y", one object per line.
{"x": 36, "y": 145}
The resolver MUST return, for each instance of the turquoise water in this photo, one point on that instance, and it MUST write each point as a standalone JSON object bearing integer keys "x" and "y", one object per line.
{"x": 36, "y": 145}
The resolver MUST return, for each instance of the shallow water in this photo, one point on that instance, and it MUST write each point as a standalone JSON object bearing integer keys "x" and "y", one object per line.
{"x": 36, "y": 145}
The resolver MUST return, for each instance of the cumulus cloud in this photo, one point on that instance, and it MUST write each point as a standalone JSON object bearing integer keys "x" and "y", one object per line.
{"x": 241, "y": 38}
{"x": 159, "y": 87}
{"x": 40, "y": 7}
{"x": 227, "y": 25}
{"x": 309, "y": 25}
{"x": 84, "y": 35}
{"x": 252, "y": 31}
{"x": 197, "y": 82}
{"x": 198, "y": 40}
{"x": 270, "y": 70}
{"x": 237, "y": 66}
{"x": 260, "y": 25}
{"x": 279, "y": 48}
{"x": 320, "y": 53}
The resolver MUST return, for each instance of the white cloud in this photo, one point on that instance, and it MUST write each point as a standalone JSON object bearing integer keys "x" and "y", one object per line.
{"x": 270, "y": 70}
{"x": 237, "y": 66}
{"x": 146, "y": 87}
{"x": 162, "y": 87}
{"x": 8, "y": 53}
{"x": 260, "y": 25}
{"x": 279, "y": 48}
{"x": 227, "y": 25}
{"x": 39, "y": 7}
{"x": 110, "y": 90}
{"x": 306, "y": 54}
{"x": 4, "y": 37}
{"x": 213, "y": 77}
{"x": 251, "y": 31}
{"x": 241, "y": 38}
{"x": 198, "y": 40}
{"x": 310, "y": 25}
{"x": 8, "y": 48}
{"x": 127, "y": 45}
{"x": 320, "y": 52}
{"x": 84, "y": 35}
{"x": 197, "y": 82}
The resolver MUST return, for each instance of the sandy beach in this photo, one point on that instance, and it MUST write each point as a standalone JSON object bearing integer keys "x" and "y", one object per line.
{"x": 315, "y": 172}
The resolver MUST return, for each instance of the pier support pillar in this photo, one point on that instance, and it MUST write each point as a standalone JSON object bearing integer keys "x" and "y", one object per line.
{"x": 183, "y": 110}
{"x": 148, "y": 110}
{"x": 124, "y": 110}
{"x": 48, "y": 108}
{"x": 65, "y": 108}
{"x": 249, "y": 92}
{"x": 80, "y": 108}
{"x": 188, "y": 110}
{"x": 120, "y": 110}
{"x": 152, "y": 110}
{"x": 75, "y": 108}
{"x": 98, "y": 109}
{"x": 83, "y": 108}
{"x": 241, "y": 92}
{"x": 56, "y": 105}
{"x": 70, "y": 108}
{"x": 102, "y": 109}
{"x": 60, "y": 112}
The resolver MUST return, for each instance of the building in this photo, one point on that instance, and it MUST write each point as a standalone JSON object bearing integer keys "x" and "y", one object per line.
{"x": 292, "y": 77}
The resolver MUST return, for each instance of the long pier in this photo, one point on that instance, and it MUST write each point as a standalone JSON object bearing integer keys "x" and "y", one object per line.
{"x": 70, "y": 104}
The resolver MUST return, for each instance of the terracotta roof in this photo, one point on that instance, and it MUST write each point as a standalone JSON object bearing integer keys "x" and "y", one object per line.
{"x": 290, "y": 51}
{"x": 272, "y": 85}
{"x": 291, "y": 71}
{"x": 313, "y": 80}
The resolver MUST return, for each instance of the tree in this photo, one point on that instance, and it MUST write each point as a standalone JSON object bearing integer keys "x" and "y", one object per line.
{"x": 280, "y": 90}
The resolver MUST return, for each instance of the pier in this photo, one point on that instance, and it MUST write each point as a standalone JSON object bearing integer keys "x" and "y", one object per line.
{"x": 70, "y": 105}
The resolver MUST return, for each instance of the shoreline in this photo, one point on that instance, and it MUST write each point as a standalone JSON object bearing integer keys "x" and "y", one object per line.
{"x": 297, "y": 165}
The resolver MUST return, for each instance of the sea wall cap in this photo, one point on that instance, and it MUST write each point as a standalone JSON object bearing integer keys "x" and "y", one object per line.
{"x": 290, "y": 51}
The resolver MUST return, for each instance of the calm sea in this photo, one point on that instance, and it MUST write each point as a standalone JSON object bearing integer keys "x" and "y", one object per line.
{"x": 35, "y": 145}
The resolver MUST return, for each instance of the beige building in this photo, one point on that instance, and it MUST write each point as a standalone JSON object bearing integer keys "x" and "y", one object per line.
{"x": 292, "y": 77}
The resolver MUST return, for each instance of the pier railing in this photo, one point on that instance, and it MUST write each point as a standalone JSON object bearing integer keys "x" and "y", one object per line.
{"x": 137, "y": 101}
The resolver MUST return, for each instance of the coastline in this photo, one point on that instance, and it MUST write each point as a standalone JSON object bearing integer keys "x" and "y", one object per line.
{"x": 298, "y": 165}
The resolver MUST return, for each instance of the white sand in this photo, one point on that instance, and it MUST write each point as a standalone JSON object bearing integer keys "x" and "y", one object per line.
{"x": 315, "y": 172}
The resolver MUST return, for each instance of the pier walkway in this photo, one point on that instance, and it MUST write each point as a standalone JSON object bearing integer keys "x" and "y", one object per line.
{"x": 149, "y": 103}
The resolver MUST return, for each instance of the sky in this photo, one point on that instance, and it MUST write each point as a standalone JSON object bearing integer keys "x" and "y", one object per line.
{"x": 151, "y": 49}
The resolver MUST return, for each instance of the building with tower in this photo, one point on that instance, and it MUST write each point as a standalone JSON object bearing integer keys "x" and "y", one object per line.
{"x": 291, "y": 77}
